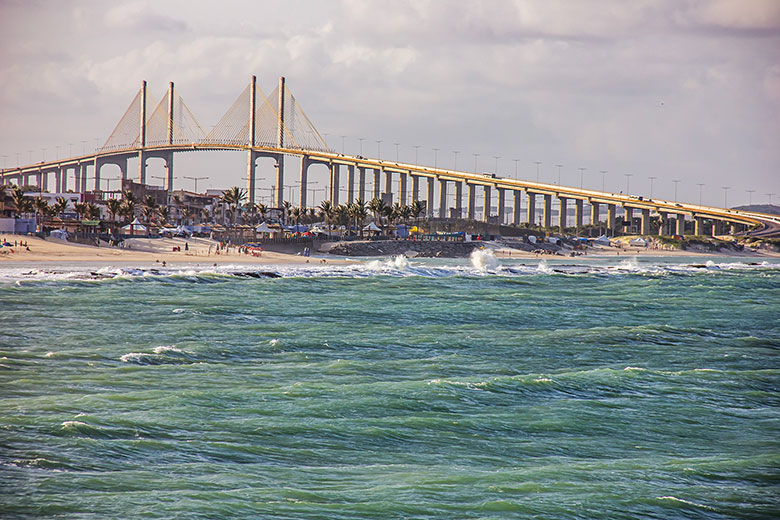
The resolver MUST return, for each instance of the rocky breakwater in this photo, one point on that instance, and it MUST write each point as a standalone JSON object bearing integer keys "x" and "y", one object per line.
{"x": 409, "y": 248}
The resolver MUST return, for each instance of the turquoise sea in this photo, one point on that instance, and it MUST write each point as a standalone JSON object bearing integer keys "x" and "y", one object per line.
{"x": 393, "y": 388}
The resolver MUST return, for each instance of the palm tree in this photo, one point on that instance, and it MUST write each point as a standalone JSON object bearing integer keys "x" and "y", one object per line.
{"x": 60, "y": 206}
{"x": 40, "y": 205}
{"x": 326, "y": 212}
{"x": 234, "y": 197}
{"x": 165, "y": 214}
{"x": 22, "y": 202}
{"x": 262, "y": 209}
{"x": 114, "y": 206}
{"x": 176, "y": 203}
{"x": 295, "y": 213}
{"x": 286, "y": 208}
{"x": 416, "y": 210}
{"x": 3, "y": 188}
{"x": 93, "y": 212}
{"x": 81, "y": 209}
{"x": 377, "y": 207}
{"x": 149, "y": 208}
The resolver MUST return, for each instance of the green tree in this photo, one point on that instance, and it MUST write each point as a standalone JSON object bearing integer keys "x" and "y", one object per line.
{"x": 60, "y": 206}
{"x": 377, "y": 207}
{"x": 234, "y": 197}
{"x": 22, "y": 202}
{"x": 149, "y": 209}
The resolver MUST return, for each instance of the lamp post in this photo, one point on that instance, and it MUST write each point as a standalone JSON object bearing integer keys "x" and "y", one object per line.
{"x": 537, "y": 170}
{"x": 455, "y": 161}
{"x": 582, "y": 175}
{"x": 750, "y": 197}
{"x": 361, "y": 144}
{"x": 343, "y": 137}
{"x": 770, "y": 197}
{"x": 496, "y": 157}
{"x": 603, "y": 178}
{"x": 700, "y": 184}
{"x": 675, "y": 181}
{"x": 652, "y": 178}
{"x": 515, "y": 167}
{"x": 416, "y": 149}
{"x": 559, "y": 166}
{"x": 476, "y": 155}
{"x": 196, "y": 179}
{"x": 396, "y": 151}
{"x": 379, "y": 149}
{"x": 726, "y": 196}
{"x": 628, "y": 181}
{"x": 435, "y": 158}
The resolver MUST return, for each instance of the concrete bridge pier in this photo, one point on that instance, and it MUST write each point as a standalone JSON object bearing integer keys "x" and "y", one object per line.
{"x": 458, "y": 199}
{"x": 531, "y": 208}
{"x": 486, "y": 203}
{"x": 562, "y": 210}
{"x": 58, "y": 180}
{"x": 429, "y": 200}
{"x": 645, "y": 222}
{"x": 83, "y": 175}
{"x": 402, "y": 180}
{"x": 547, "y": 211}
{"x": 334, "y": 184}
{"x": 442, "y": 198}
{"x": 595, "y": 216}
{"x": 303, "y": 179}
{"x": 578, "y": 213}
{"x": 663, "y": 222}
{"x": 362, "y": 183}
{"x": 388, "y": 193}
{"x": 501, "y": 205}
{"x": 516, "y": 207}
{"x": 471, "y": 201}
{"x": 698, "y": 225}
{"x": 680, "y": 221}
{"x": 350, "y": 183}
{"x": 377, "y": 181}
{"x": 628, "y": 216}
{"x": 611, "y": 211}
{"x": 415, "y": 187}
{"x": 169, "y": 173}
{"x": 733, "y": 228}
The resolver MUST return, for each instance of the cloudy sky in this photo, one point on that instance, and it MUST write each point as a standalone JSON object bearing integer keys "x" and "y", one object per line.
{"x": 676, "y": 89}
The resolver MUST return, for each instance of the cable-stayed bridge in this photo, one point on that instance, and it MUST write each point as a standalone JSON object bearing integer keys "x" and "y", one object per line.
{"x": 275, "y": 126}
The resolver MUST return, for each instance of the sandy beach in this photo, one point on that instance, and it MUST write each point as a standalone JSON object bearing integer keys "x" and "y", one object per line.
{"x": 143, "y": 250}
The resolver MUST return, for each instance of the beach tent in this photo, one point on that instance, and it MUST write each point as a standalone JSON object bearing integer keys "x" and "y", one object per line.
{"x": 532, "y": 239}
{"x": 372, "y": 227}
{"x": 264, "y": 228}
{"x": 602, "y": 241}
{"x": 60, "y": 234}
{"x": 638, "y": 242}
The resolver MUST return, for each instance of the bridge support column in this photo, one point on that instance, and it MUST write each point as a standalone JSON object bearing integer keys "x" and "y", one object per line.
{"x": 595, "y": 213}
{"x": 334, "y": 184}
{"x": 547, "y": 211}
{"x": 471, "y": 201}
{"x": 388, "y": 186}
{"x": 350, "y": 183}
{"x": 486, "y": 204}
{"x": 733, "y": 229}
{"x": 169, "y": 176}
{"x": 531, "y": 208}
{"x": 578, "y": 213}
{"x": 698, "y": 225}
{"x": 458, "y": 199}
{"x": 83, "y": 181}
{"x": 645, "y": 222}
{"x": 58, "y": 180}
{"x": 99, "y": 164}
{"x": 442, "y": 198}
{"x": 402, "y": 180}
{"x": 279, "y": 199}
{"x": 377, "y": 181}
{"x": 663, "y": 222}
{"x": 304, "y": 180}
{"x": 362, "y": 183}
{"x": 251, "y": 167}
{"x": 415, "y": 187}
{"x": 611, "y": 210}
{"x": 628, "y": 216}
{"x": 501, "y": 205}
{"x": 430, "y": 197}
{"x": 517, "y": 210}
{"x": 43, "y": 181}
{"x": 562, "y": 210}
{"x": 680, "y": 225}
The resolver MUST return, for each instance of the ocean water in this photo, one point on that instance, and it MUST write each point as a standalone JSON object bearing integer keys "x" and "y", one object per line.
{"x": 631, "y": 388}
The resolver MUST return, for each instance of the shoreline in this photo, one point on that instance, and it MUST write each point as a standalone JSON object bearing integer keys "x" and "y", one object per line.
{"x": 202, "y": 252}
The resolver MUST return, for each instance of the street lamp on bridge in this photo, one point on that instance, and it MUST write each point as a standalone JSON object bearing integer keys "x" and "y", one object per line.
{"x": 559, "y": 166}
{"x": 537, "y": 169}
{"x": 196, "y": 179}
{"x": 396, "y": 151}
{"x": 416, "y": 149}
{"x": 582, "y": 175}
{"x": 726, "y": 196}
{"x": 675, "y": 181}
{"x": 628, "y": 180}
{"x": 379, "y": 149}
{"x": 700, "y": 184}
{"x": 603, "y": 178}
{"x": 652, "y": 178}
{"x": 516, "y": 160}
{"x": 455, "y": 162}
{"x": 435, "y": 158}
{"x": 476, "y": 155}
{"x": 750, "y": 196}
{"x": 496, "y": 157}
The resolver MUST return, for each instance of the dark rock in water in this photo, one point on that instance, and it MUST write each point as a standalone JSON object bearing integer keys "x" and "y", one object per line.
{"x": 255, "y": 274}
{"x": 413, "y": 248}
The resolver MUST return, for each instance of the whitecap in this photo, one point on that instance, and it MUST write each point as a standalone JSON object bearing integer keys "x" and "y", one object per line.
{"x": 73, "y": 424}
{"x": 483, "y": 259}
